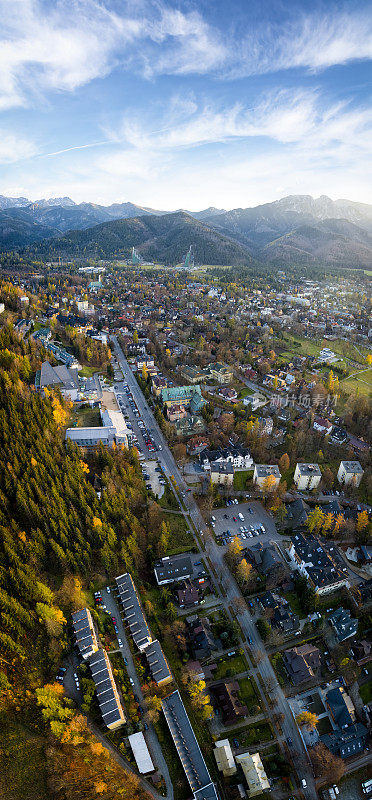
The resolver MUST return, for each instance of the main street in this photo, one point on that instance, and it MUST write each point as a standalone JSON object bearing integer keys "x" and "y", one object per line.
{"x": 264, "y": 668}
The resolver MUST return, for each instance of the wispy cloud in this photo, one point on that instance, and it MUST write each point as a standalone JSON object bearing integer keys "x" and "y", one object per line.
{"x": 65, "y": 44}
{"x": 313, "y": 40}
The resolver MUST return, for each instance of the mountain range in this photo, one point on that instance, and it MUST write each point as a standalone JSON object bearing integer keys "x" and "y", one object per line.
{"x": 297, "y": 229}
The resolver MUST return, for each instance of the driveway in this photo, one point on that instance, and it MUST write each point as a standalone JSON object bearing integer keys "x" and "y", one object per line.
{"x": 150, "y": 735}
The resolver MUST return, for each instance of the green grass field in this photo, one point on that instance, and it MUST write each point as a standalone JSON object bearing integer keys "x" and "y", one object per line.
{"x": 86, "y": 417}
{"x": 181, "y": 538}
{"x": 240, "y": 479}
{"x": 365, "y": 692}
{"x": 230, "y": 666}
{"x": 247, "y": 692}
{"x": 252, "y": 734}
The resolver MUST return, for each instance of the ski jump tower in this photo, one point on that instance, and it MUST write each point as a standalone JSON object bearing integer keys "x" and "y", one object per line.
{"x": 136, "y": 258}
{"x": 189, "y": 260}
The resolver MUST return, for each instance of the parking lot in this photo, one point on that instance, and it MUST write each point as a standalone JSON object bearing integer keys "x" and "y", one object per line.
{"x": 254, "y": 516}
{"x": 155, "y": 475}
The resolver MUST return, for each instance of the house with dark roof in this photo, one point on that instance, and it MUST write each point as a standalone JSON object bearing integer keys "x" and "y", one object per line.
{"x": 173, "y": 568}
{"x": 343, "y": 624}
{"x": 188, "y": 748}
{"x": 62, "y": 377}
{"x": 346, "y": 743}
{"x": 85, "y": 633}
{"x": 340, "y": 707}
{"x": 200, "y": 638}
{"x": 226, "y": 695}
{"x": 297, "y": 513}
{"x": 302, "y": 663}
{"x": 107, "y": 694}
{"x": 282, "y": 617}
{"x": 263, "y": 557}
{"x": 158, "y": 664}
{"x": 187, "y": 594}
{"x": 318, "y": 563}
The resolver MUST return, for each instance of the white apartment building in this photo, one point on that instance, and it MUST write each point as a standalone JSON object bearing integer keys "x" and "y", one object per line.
{"x": 307, "y": 476}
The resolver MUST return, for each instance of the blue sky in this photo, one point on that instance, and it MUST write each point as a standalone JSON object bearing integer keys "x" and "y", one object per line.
{"x": 185, "y": 105}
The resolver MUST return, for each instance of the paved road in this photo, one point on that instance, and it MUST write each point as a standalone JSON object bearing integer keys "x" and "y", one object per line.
{"x": 150, "y": 735}
{"x": 264, "y": 668}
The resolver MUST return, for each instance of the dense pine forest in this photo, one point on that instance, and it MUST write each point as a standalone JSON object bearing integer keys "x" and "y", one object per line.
{"x": 57, "y": 539}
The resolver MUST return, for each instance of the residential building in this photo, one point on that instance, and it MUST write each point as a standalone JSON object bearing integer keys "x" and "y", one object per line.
{"x": 173, "y": 568}
{"x": 236, "y": 455}
{"x": 187, "y": 594}
{"x": 200, "y": 638}
{"x": 193, "y": 374}
{"x": 224, "y": 758}
{"x": 158, "y": 664}
{"x": 348, "y": 742}
{"x": 302, "y": 663}
{"x": 85, "y": 634}
{"x": 254, "y": 773}
{"x": 158, "y": 383}
{"x": 220, "y": 373}
{"x": 322, "y": 425}
{"x": 255, "y": 400}
{"x": 307, "y": 476}
{"x": 340, "y": 707}
{"x": 175, "y": 412}
{"x": 297, "y": 513}
{"x": 133, "y": 613}
{"x": 343, "y": 624}
{"x": 230, "y": 395}
{"x": 264, "y": 471}
{"x": 141, "y": 753}
{"x": 317, "y": 562}
{"x": 180, "y": 394}
{"x": 222, "y": 474}
{"x": 264, "y": 557}
{"x": 350, "y": 473}
{"x": 188, "y": 748}
{"x": 226, "y": 694}
{"x": 140, "y": 631}
{"x": 107, "y": 694}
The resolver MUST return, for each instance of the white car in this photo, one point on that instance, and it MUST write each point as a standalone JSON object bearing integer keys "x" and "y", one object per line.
{"x": 120, "y": 643}
{"x": 304, "y": 784}
{"x": 108, "y": 590}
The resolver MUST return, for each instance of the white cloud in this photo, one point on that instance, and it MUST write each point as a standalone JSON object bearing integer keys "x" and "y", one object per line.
{"x": 65, "y": 44}
{"x": 14, "y": 148}
{"x": 312, "y": 40}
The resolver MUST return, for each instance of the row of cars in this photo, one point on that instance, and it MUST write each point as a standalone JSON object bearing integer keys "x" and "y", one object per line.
{"x": 147, "y": 437}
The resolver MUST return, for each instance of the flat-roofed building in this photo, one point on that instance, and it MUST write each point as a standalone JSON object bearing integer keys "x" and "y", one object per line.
{"x": 188, "y": 748}
{"x": 307, "y": 476}
{"x": 173, "y": 568}
{"x": 133, "y": 612}
{"x": 263, "y": 472}
{"x": 350, "y": 473}
{"x": 158, "y": 664}
{"x": 107, "y": 694}
{"x": 141, "y": 753}
{"x": 91, "y": 437}
{"x": 85, "y": 634}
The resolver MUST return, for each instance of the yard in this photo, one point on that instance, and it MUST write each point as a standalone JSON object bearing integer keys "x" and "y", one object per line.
{"x": 365, "y": 692}
{"x": 86, "y": 417}
{"x": 247, "y": 692}
{"x": 295, "y": 604}
{"x": 181, "y": 538}
{"x": 227, "y": 667}
{"x": 323, "y": 726}
{"x": 240, "y": 479}
{"x": 252, "y": 734}
{"x": 177, "y": 775}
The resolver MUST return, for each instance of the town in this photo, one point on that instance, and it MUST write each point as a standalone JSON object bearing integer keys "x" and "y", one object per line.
{"x": 212, "y": 625}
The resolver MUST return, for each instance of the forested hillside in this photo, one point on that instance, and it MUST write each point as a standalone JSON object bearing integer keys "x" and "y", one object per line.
{"x": 55, "y": 539}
